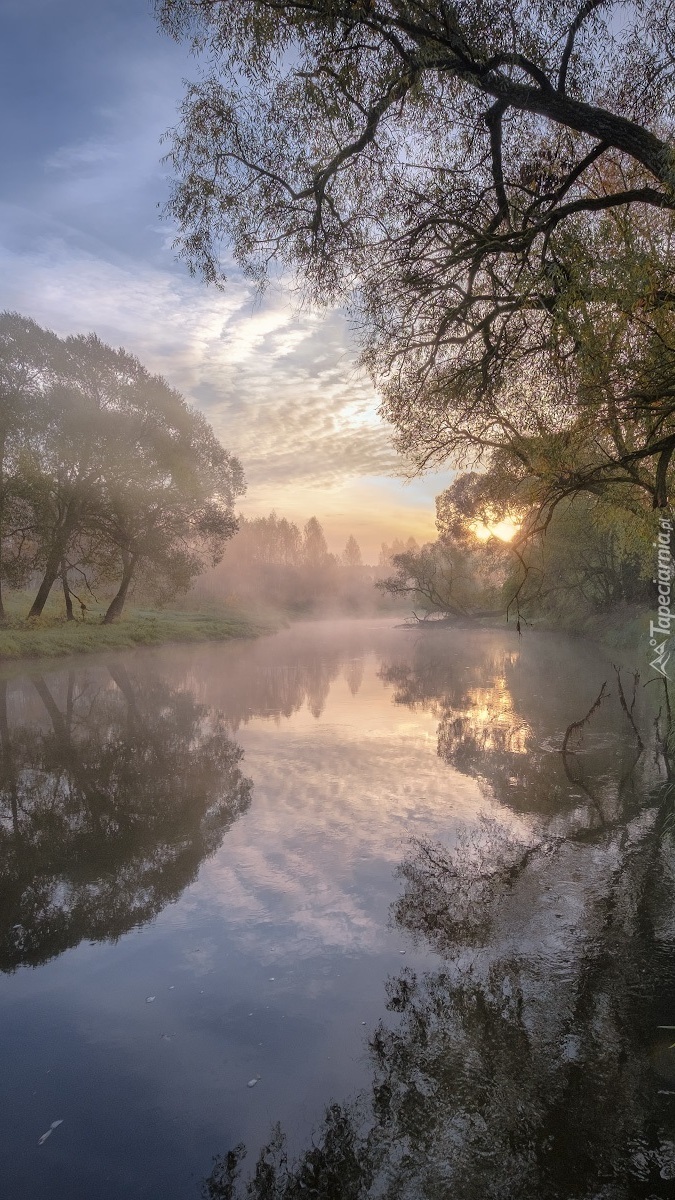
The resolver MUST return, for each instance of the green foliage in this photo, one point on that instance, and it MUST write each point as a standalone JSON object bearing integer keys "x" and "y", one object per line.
{"x": 107, "y": 475}
{"x": 593, "y": 558}
{"x": 490, "y": 188}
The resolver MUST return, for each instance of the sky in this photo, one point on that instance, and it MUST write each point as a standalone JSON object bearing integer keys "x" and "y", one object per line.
{"x": 87, "y": 89}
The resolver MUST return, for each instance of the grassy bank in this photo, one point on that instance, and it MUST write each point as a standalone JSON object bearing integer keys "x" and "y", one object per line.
{"x": 51, "y": 636}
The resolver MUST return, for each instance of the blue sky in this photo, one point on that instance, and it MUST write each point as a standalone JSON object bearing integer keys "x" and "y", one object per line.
{"x": 86, "y": 90}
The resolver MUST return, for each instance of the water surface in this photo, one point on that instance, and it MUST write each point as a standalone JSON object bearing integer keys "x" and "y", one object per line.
{"x": 348, "y": 862}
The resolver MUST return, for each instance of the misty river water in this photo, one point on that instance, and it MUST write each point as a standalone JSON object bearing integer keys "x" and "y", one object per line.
{"x": 347, "y": 864}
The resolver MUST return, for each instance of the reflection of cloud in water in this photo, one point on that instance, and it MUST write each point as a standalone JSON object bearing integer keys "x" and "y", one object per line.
{"x": 334, "y": 802}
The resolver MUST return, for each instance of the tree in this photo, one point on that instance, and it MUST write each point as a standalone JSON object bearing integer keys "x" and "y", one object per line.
{"x": 82, "y": 424}
{"x": 314, "y": 547}
{"x": 449, "y": 579}
{"x": 173, "y": 516}
{"x": 436, "y": 165}
{"x": 105, "y": 470}
{"x": 352, "y": 553}
{"x": 268, "y": 540}
{"x": 398, "y": 546}
{"x": 588, "y": 406}
{"x": 29, "y": 358}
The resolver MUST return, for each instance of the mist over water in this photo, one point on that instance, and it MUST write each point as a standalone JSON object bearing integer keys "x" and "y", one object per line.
{"x": 224, "y": 866}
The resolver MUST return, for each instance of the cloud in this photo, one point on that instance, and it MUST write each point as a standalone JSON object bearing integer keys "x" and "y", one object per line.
{"x": 280, "y": 388}
{"x": 84, "y": 248}
{"x": 90, "y": 153}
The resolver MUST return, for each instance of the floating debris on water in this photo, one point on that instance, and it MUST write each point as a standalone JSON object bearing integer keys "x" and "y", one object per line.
{"x": 54, "y": 1125}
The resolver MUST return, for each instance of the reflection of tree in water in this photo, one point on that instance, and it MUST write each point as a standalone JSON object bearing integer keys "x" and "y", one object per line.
{"x": 107, "y": 809}
{"x": 278, "y": 678}
{"x": 528, "y": 1064}
{"x": 353, "y": 673}
{"x": 502, "y": 716}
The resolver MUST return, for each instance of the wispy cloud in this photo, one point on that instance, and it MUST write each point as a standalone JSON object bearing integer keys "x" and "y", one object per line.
{"x": 279, "y": 388}
{"x": 84, "y": 248}
{"x": 90, "y": 153}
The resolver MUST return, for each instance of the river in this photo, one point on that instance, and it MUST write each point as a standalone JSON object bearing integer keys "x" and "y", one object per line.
{"x": 346, "y": 865}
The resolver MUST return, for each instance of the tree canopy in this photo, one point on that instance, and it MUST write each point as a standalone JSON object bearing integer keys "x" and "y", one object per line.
{"x": 488, "y": 186}
{"x": 106, "y": 472}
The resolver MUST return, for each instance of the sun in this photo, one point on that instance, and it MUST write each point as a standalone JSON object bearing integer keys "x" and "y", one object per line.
{"x": 504, "y": 530}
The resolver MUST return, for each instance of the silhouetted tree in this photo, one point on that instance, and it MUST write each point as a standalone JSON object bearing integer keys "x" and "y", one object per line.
{"x": 352, "y": 553}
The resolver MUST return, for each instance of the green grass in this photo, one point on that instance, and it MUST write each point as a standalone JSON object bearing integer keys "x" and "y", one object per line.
{"x": 51, "y": 636}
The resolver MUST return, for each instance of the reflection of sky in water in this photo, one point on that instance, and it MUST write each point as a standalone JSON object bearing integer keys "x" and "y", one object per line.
{"x": 335, "y": 798}
{"x": 273, "y": 961}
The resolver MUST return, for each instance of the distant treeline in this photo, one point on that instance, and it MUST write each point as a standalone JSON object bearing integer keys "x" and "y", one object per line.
{"x": 274, "y": 561}
{"x": 107, "y": 475}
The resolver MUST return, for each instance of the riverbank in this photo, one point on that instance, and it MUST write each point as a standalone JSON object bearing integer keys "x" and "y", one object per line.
{"x": 623, "y": 628}
{"x": 51, "y": 636}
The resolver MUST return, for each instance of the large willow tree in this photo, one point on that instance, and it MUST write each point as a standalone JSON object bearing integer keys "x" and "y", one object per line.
{"x": 444, "y": 169}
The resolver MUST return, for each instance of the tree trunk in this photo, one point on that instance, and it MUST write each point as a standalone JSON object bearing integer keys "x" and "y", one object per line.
{"x": 55, "y": 714}
{"x": 121, "y": 678}
{"x": 66, "y": 592}
{"x": 661, "y": 487}
{"x": 48, "y": 579}
{"x": 116, "y": 605}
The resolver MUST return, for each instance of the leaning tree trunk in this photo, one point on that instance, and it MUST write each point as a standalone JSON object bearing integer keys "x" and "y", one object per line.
{"x": 66, "y": 592}
{"x": 116, "y": 605}
{"x": 52, "y": 569}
